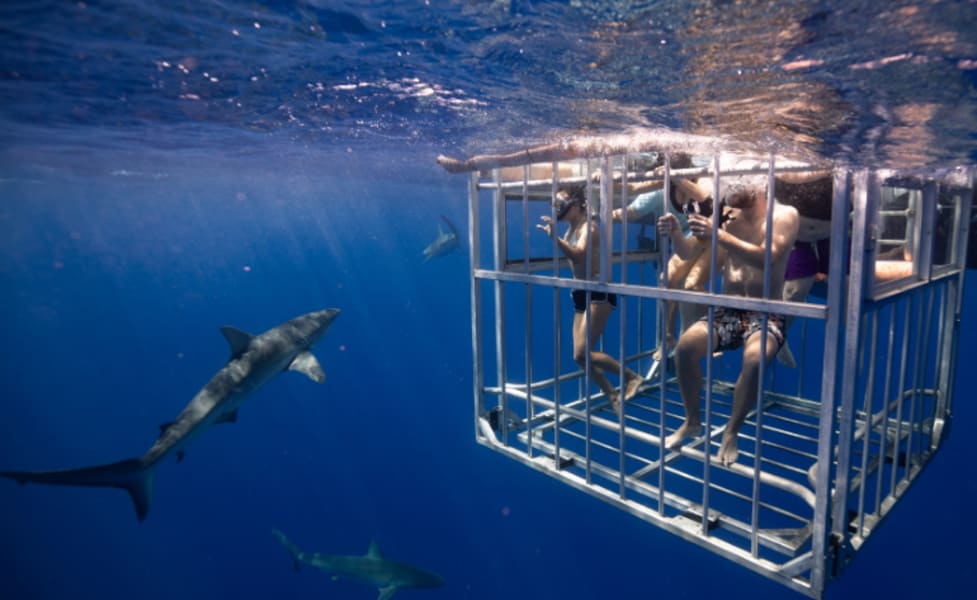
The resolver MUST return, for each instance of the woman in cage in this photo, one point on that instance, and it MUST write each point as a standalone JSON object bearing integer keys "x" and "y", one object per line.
{"x": 581, "y": 239}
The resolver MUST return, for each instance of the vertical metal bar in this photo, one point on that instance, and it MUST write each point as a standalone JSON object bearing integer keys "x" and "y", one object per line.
{"x": 931, "y": 354}
{"x": 605, "y": 192}
{"x": 606, "y": 205}
{"x": 939, "y": 365}
{"x": 866, "y": 191}
{"x": 912, "y": 217}
{"x": 801, "y": 357}
{"x": 900, "y": 393}
{"x": 867, "y": 428}
{"x": 525, "y": 218}
{"x": 832, "y": 334}
{"x": 474, "y": 260}
{"x": 498, "y": 241}
{"x": 955, "y": 299}
{"x": 661, "y": 325}
{"x": 588, "y": 260}
{"x": 922, "y": 333}
{"x": 624, "y": 220}
{"x": 713, "y": 290}
{"x": 557, "y": 336}
{"x": 530, "y": 405}
{"x": 887, "y": 390}
{"x": 923, "y": 255}
{"x": 761, "y": 374}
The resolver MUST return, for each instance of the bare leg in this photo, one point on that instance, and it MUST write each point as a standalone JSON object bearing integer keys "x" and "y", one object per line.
{"x": 692, "y": 346}
{"x": 744, "y": 394}
{"x": 795, "y": 290}
{"x": 695, "y": 281}
{"x": 600, "y": 362}
{"x": 678, "y": 270}
{"x": 547, "y": 153}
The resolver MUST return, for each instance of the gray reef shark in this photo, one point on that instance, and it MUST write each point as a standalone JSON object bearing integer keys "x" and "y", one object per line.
{"x": 254, "y": 361}
{"x": 372, "y": 568}
{"x": 445, "y": 242}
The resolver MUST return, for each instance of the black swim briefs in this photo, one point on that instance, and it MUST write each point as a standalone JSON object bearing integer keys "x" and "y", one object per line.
{"x": 580, "y": 299}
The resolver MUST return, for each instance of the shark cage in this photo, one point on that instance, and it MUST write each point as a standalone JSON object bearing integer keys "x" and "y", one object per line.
{"x": 827, "y": 448}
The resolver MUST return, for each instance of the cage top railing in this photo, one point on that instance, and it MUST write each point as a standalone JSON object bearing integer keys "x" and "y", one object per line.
{"x": 637, "y": 141}
{"x": 632, "y": 141}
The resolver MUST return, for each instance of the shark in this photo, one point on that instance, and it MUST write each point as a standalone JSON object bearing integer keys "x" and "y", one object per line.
{"x": 371, "y": 568}
{"x": 255, "y": 360}
{"x": 447, "y": 241}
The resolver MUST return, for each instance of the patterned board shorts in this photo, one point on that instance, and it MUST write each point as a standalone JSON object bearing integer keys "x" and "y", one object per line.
{"x": 734, "y": 326}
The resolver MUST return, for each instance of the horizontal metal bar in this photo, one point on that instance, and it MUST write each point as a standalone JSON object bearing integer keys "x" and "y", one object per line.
{"x": 642, "y": 176}
{"x": 781, "y": 307}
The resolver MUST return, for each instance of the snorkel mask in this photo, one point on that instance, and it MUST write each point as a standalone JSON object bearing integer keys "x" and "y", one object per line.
{"x": 562, "y": 205}
{"x": 704, "y": 208}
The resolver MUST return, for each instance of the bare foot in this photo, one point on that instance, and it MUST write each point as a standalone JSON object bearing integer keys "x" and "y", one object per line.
{"x": 669, "y": 345}
{"x": 631, "y": 390}
{"x": 681, "y": 434}
{"x": 728, "y": 451}
{"x": 452, "y": 165}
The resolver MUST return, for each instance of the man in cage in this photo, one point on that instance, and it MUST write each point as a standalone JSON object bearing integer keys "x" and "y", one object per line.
{"x": 581, "y": 238}
{"x": 741, "y": 254}
{"x": 686, "y": 196}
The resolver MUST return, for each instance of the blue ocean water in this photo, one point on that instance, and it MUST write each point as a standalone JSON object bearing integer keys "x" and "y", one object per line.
{"x": 144, "y": 204}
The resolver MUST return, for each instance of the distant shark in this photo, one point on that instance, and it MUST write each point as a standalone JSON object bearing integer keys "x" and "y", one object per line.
{"x": 371, "y": 568}
{"x": 445, "y": 242}
{"x": 254, "y": 361}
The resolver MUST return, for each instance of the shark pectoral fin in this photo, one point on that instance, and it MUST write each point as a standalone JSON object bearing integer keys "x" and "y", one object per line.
{"x": 179, "y": 455}
{"x": 237, "y": 339}
{"x": 387, "y": 592}
{"x": 306, "y": 363}
{"x": 293, "y": 550}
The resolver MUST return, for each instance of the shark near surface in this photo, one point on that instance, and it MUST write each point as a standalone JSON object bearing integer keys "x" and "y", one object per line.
{"x": 445, "y": 243}
{"x": 371, "y": 568}
{"x": 254, "y": 361}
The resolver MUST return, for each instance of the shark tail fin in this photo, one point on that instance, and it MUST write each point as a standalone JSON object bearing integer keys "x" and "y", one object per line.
{"x": 293, "y": 550}
{"x": 131, "y": 475}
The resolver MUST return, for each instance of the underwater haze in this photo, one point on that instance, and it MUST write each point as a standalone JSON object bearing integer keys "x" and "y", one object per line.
{"x": 167, "y": 168}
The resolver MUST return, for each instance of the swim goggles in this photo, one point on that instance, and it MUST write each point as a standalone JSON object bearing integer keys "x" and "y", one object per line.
{"x": 562, "y": 206}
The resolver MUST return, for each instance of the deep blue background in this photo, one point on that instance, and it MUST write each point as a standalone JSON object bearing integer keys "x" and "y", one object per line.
{"x": 113, "y": 289}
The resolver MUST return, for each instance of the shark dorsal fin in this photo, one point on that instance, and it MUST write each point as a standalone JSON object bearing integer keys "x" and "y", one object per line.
{"x": 451, "y": 226}
{"x": 237, "y": 339}
{"x": 374, "y": 551}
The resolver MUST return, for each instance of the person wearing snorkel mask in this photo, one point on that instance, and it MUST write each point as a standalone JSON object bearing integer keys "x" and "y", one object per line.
{"x": 741, "y": 253}
{"x": 686, "y": 196}
{"x": 583, "y": 237}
